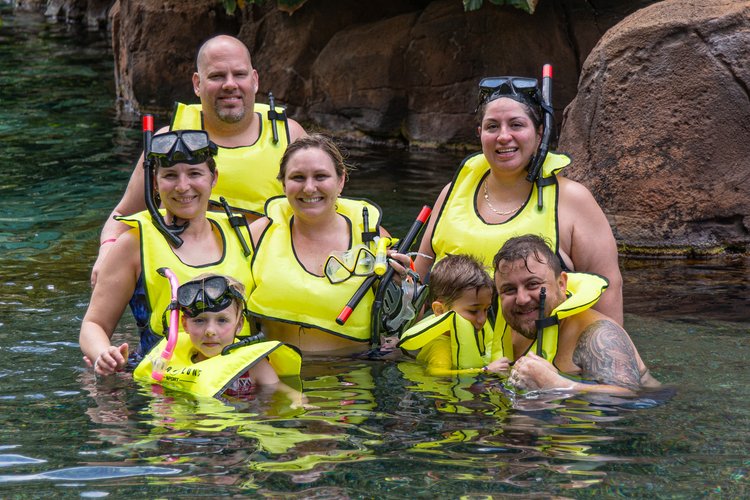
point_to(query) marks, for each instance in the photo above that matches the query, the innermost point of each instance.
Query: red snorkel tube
(535, 172)
(403, 247)
(148, 183)
(161, 363)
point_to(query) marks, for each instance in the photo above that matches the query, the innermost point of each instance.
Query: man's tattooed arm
(606, 354)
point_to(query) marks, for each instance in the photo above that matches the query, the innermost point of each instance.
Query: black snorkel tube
(254, 339)
(403, 247)
(535, 171)
(540, 322)
(368, 237)
(274, 116)
(170, 232)
(236, 221)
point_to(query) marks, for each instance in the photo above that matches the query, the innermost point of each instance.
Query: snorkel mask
(212, 294)
(520, 89)
(526, 91)
(181, 146)
(166, 150)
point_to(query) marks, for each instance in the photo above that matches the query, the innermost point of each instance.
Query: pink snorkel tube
(161, 363)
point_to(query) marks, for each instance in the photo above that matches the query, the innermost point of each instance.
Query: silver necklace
(487, 199)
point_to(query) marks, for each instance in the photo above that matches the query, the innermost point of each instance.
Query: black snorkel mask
(165, 150)
(212, 294)
(521, 89)
(526, 91)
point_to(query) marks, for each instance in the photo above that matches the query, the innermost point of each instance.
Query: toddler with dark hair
(458, 338)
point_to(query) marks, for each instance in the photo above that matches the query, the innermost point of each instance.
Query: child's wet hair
(455, 274)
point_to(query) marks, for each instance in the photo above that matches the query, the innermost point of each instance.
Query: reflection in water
(465, 430)
(381, 429)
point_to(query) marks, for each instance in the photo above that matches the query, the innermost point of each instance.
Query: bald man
(251, 137)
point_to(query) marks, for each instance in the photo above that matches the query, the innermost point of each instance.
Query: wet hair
(533, 111)
(315, 141)
(523, 247)
(455, 274)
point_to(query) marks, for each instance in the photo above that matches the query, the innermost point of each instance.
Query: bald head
(226, 83)
(220, 43)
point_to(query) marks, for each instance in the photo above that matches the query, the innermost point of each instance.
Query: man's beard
(528, 328)
(231, 116)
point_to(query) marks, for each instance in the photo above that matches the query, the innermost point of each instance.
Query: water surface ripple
(380, 430)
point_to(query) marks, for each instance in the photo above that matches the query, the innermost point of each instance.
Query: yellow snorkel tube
(381, 254)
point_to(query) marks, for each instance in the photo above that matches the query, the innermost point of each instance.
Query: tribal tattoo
(606, 354)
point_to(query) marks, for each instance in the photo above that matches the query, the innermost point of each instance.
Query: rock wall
(655, 94)
(660, 127)
(402, 71)
(154, 45)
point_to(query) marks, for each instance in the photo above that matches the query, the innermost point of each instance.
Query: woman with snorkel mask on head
(182, 236)
(512, 188)
(312, 252)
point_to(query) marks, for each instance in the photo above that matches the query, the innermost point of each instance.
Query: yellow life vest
(212, 376)
(460, 230)
(156, 253)
(286, 291)
(584, 290)
(469, 348)
(247, 174)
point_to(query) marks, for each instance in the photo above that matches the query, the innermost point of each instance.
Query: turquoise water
(381, 429)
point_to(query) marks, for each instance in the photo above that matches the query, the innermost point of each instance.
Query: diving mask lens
(212, 294)
(498, 86)
(161, 144)
(181, 146)
(195, 141)
(340, 266)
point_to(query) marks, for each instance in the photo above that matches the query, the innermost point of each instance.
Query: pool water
(381, 429)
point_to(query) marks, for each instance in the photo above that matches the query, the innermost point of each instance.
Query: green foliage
(525, 5)
(283, 5)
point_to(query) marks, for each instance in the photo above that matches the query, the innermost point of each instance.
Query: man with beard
(251, 137)
(568, 337)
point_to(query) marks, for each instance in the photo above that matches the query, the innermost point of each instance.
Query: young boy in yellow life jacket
(210, 360)
(458, 339)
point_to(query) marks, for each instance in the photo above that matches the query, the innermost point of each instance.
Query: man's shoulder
(572, 327)
(595, 335)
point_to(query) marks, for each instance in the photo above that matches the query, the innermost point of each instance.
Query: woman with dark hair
(491, 197)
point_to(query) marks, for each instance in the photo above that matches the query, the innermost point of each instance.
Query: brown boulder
(659, 128)
(395, 70)
(412, 76)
